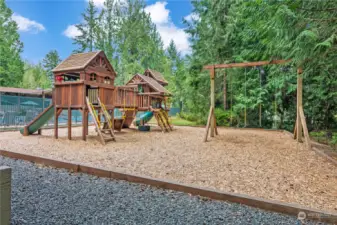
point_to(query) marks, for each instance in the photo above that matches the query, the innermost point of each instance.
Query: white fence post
(5, 195)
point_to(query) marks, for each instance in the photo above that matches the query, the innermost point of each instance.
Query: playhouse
(85, 82)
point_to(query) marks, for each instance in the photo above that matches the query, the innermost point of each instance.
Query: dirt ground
(260, 163)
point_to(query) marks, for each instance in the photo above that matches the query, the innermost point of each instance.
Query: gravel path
(51, 196)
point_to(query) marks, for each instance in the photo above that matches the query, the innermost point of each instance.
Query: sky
(46, 25)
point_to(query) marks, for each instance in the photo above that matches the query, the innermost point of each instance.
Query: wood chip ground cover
(264, 164)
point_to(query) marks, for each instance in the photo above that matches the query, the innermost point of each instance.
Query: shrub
(223, 117)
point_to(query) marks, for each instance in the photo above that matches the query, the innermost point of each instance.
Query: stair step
(105, 130)
(109, 139)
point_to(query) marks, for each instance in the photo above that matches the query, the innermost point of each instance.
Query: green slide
(146, 117)
(39, 121)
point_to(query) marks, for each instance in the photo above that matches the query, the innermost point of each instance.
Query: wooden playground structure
(300, 124)
(85, 82)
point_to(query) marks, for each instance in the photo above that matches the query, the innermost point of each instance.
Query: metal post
(43, 97)
(5, 195)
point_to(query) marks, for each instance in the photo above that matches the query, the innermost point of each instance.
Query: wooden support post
(5, 195)
(260, 115)
(295, 129)
(225, 91)
(305, 129)
(299, 103)
(208, 122)
(215, 128)
(84, 125)
(69, 123)
(212, 73)
(86, 113)
(113, 118)
(56, 129)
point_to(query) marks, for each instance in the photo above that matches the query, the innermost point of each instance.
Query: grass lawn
(182, 122)
(177, 121)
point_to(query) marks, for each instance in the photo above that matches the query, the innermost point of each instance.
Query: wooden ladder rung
(109, 139)
(105, 130)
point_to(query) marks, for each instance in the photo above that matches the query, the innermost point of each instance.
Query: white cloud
(71, 31)
(159, 14)
(166, 28)
(191, 17)
(99, 3)
(171, 32)
(27, 25)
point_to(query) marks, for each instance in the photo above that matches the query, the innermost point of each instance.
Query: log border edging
(269, 205)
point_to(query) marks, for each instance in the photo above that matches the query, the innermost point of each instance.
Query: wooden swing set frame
(300, 124)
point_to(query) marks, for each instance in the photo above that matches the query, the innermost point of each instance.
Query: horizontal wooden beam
(66, 83)
(245, 64)
(269, 205)
(151, 93)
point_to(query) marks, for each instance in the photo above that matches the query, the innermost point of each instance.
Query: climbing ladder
(105, 128)
(162, 119)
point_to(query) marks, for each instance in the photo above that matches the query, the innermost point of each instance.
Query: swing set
(300, 124)
(261, 73)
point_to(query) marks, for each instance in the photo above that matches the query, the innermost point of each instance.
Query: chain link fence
(18, 111)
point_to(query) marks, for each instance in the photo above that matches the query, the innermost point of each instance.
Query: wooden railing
(93, 95)
(125, 97)
(143, 101)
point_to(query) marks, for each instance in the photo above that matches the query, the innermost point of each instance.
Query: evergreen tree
(177, 66)
(239, 31)
(50, 61)
(11, 65)
(107, 30)
(139, 45)
(86, 40)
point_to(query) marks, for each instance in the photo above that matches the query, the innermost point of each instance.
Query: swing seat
(144, 128)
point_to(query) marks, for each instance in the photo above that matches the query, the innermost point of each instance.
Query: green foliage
(126, 34)
(35, 77)
(86, 40)
(223, 117)
(50, 61)
(334, 139)
(239, 31)
(188, 116)
(11, 65)
(178, 75)
(139, 45)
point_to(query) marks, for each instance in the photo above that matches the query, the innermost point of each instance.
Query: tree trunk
(224, 92)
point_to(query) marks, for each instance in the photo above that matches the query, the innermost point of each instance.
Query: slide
(146, 117)
(39, 121)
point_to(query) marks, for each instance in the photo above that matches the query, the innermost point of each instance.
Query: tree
(35, 77)
(138, 42)
(177, 66)
(107, 31)
(11, 65)
(239, 31)
(86, 40)
(50, 61)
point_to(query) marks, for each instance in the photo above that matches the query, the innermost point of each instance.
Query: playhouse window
(93, 77)
(68, 77)
(140, 88)
(107, 80)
